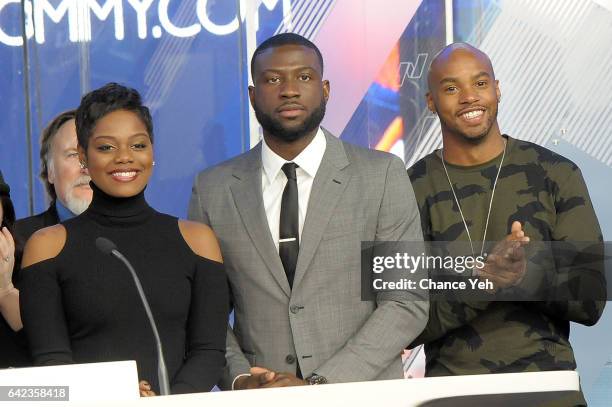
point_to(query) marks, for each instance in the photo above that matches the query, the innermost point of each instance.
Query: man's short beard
(276, 129)
(77, 205)
(475, 140)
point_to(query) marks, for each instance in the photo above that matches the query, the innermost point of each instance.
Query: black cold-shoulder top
(82, 305)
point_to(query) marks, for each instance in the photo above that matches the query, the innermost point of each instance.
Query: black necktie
(289, 228)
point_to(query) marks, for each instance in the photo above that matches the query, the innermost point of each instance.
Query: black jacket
(24, 228)
(13, 345)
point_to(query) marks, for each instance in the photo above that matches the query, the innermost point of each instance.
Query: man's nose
(290, 89)
(469, 96)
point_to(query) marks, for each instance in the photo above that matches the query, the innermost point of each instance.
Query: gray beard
(76, 205)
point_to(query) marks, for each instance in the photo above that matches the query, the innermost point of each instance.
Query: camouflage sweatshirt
(547, 194)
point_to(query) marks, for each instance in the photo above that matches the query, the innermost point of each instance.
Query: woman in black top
(13, 350)
(79, 305)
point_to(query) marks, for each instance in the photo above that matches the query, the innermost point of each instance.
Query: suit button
(290, 359)
(294, 309)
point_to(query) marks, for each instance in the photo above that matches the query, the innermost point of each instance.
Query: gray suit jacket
(322, 324)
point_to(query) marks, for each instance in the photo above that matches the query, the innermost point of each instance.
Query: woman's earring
(153, 163)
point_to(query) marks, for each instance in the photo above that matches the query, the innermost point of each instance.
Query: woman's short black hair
(107, 99)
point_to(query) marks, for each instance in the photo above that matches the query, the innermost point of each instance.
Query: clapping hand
(506, 265)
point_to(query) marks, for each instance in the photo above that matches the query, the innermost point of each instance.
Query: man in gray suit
(290, 215)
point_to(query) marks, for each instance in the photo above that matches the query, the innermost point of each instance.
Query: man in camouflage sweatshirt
(539, 196)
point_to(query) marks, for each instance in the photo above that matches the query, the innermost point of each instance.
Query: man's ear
(430, 103)
(252, 95)
(326, 89)
(50, 172)
(497, 90)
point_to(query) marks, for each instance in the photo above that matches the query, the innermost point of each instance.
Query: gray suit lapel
(249, 201)
(327, 188)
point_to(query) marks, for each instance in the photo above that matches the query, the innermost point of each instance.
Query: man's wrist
(239, 379)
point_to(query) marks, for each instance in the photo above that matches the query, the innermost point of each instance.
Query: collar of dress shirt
(308, 160)
(63, 213)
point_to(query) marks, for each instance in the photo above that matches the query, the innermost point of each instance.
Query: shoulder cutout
(201, 239)
(44, 244)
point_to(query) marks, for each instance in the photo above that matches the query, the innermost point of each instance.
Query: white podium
(505, 390)
(101, 382)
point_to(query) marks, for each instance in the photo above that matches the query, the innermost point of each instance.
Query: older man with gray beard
(66, 182)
